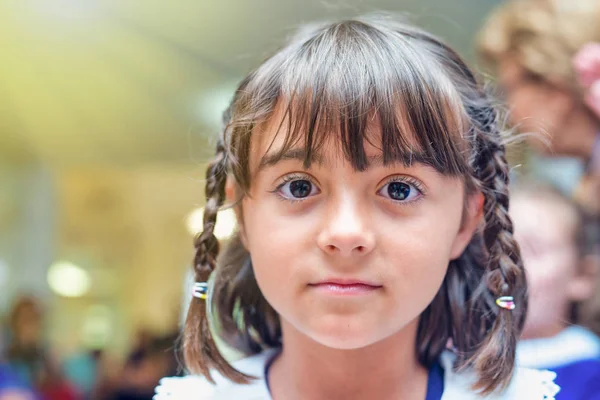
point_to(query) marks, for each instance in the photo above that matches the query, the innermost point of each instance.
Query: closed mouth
(345, 286)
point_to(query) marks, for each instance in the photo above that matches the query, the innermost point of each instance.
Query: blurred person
(151, 358)
(29, 356)
(81, 369)
(24, 350)
(11, 386)
(143, 341)
(533, 46)
(543, 54)
(93, 372)
(561, 267)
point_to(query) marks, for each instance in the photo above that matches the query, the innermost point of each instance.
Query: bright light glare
(68, 280)
(213, 104)
(97, 326)
(226, 223)
(67, 9)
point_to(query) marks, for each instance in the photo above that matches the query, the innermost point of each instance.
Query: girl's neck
(384, 370)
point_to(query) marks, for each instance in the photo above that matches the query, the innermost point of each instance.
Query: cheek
(276, 243)
(419, 246)
(418, 251)
(414, 275)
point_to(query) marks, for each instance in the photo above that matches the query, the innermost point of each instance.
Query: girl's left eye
(400, 191)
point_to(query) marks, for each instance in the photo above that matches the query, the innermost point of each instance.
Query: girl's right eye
(297, 188)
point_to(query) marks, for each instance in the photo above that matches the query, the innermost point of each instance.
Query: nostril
(331, 248)
(360, 249)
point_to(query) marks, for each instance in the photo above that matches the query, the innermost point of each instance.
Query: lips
(345, 286)
(346, 282)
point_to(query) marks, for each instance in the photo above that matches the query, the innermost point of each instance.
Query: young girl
(561, 267)
(368, 175)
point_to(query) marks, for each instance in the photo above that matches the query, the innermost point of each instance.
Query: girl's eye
(400, 191)
(297, 189)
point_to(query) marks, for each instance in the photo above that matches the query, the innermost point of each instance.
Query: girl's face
(349, 258)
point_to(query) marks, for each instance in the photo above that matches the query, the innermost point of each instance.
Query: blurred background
(108, 113)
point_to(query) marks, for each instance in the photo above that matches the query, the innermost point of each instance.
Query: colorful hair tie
(507, 302)
(200, 290)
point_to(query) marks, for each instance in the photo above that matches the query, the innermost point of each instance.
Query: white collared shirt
(527, 384)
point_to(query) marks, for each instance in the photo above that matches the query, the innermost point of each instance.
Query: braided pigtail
(200, 351)
(504, 274)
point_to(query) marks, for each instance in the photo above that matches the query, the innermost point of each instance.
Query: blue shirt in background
(574, 354)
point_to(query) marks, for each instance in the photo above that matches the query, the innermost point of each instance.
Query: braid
(504, 274)
(200, 350)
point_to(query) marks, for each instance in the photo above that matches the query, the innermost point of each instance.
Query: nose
(346, 230)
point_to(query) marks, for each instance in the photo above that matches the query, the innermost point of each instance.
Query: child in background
(561, 269)
(30, 358)
(11, 386)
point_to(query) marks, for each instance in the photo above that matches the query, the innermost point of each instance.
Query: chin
(348, 335)
(347, 342)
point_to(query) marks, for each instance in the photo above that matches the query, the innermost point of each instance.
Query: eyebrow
(299, 154)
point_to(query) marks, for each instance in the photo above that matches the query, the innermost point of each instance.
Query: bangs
(353, 83)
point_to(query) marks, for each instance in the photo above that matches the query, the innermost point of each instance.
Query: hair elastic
(507, 302)
(200, 290)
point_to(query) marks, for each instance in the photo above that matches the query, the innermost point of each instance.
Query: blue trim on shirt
(267, 368)
(435, 382)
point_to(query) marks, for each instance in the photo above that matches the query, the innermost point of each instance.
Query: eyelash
(405, 179)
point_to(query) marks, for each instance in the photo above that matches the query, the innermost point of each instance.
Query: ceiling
(124, 82)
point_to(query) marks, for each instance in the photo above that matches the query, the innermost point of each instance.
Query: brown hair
(331, 79)
(542, 35)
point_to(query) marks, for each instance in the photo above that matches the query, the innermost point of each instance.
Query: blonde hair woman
(532, 44)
